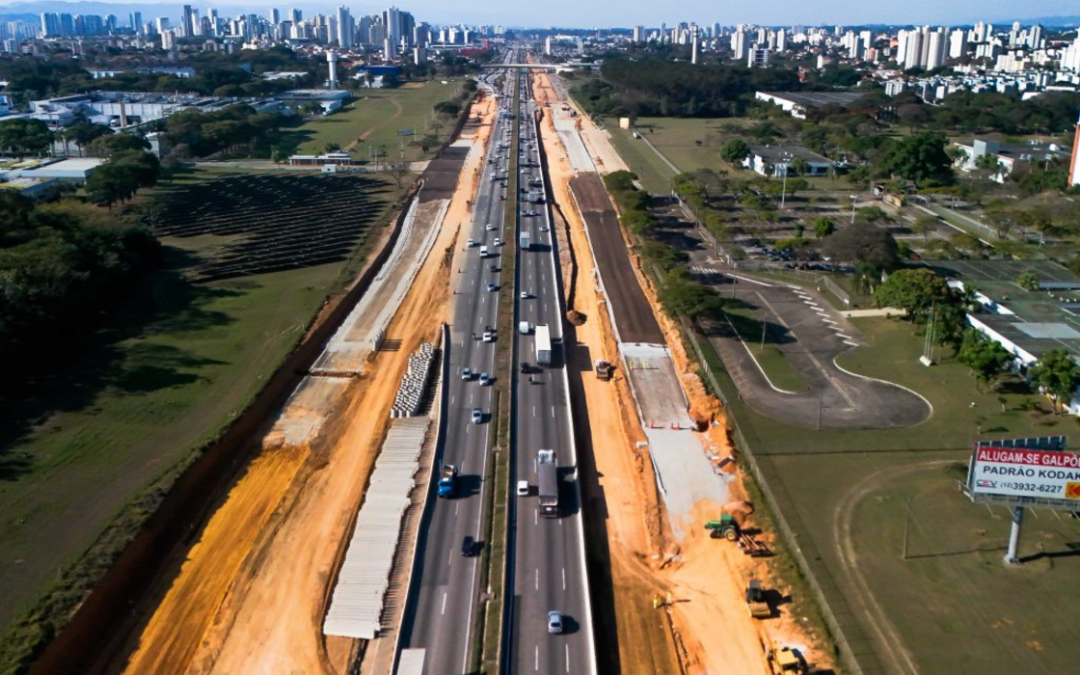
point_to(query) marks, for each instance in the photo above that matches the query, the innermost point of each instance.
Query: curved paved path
(814, 334)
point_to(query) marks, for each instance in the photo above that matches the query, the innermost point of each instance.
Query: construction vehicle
(786, 661)
(447, 479)
(755, 601)
(604, 369)
(726, 527)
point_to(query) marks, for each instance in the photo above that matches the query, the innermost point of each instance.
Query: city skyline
(599, 14)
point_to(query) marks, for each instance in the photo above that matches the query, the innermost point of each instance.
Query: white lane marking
(457, 505)
(467, 427)
(536, 517)
(568, 658)
(537, 584)
(452, 401)
(444, 602)
(537, 666)
(552, 412)
(564, 578)
(534, 411)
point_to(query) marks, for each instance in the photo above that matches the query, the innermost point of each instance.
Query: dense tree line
(216, 74)
(680, 89)
(59, 269)
(192, 133)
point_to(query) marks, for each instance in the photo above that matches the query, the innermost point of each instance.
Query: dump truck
(755, 601)
(603, 369)
(786, 661)
(543, 345)
(447, 478)
(524, 241)
(548, 483)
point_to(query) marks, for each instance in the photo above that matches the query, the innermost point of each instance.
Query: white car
(489, 227)
(489, 336)
(525, 295)
(477, 415)
(523, 488)
(498, 242)
(485, 379)
(471, 243)
(466, 373)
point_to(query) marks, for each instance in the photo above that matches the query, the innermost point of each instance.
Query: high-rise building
(957, 43)
(639, 33)
(275, 17)
(935, 52)
(739, 44)
(1074, 166)
(50, 25)
(1034, 37)
(135, 21)
(296, 16)
(758, 57)
(346, 28)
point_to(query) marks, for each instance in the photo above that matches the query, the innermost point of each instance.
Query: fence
(787, 533)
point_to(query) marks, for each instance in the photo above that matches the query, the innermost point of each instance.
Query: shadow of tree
(79, 368)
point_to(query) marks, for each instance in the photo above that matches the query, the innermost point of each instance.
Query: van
(525, 327)
(483, 251)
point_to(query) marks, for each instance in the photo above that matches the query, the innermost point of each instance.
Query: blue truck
(446, 480)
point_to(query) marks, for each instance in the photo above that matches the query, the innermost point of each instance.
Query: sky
(651, 13)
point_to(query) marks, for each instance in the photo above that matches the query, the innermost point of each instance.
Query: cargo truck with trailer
(548, 483)
(542, 339)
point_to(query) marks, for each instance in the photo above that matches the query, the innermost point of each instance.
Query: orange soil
(704, 579)
(250, 597)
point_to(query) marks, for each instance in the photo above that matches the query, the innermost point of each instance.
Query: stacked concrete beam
(356, 606)
(413, 387)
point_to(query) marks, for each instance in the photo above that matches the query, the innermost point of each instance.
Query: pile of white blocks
(413, 387)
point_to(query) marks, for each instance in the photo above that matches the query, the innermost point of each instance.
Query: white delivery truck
(524, 327)
(524, 241)
(543, 345)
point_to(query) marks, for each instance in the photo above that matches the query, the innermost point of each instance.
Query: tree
(924, 225)
(663, 256)
(1056, 374)
(735, 151)
(872, 214)
(680, 295)
(823, 227)
(1028, 281)
(24, 136)
(863, 243)
(399, 171)
(111, 144)
(447, 108)
(121, 177)
(798, 166)
(983, 356)
(920, 292)
(912, 115)
(920, 157)
(989, 164)
(638, 222)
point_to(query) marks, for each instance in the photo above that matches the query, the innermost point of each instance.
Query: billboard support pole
(1014, 536)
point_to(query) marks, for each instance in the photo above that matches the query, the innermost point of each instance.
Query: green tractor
(724, 528)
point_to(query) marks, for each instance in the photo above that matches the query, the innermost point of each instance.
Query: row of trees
(678, 293)
(192, 133)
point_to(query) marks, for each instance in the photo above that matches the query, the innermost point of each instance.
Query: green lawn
(655, 176)
(378, 115)
(779, 371)
(105, 439)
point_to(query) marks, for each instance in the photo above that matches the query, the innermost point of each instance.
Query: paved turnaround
(546, 556)
(440, 617)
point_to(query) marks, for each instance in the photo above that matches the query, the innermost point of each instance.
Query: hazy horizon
(628, 13)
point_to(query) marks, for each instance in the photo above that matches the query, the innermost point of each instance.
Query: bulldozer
(786, 661)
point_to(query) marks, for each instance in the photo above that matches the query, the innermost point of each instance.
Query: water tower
(332, 59)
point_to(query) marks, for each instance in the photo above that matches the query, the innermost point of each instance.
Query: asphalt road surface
(634, 320)
(440, 618)
(546, 556)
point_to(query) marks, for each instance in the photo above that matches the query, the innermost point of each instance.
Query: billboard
(1025, 472)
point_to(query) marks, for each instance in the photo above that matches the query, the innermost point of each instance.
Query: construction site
(306, 561)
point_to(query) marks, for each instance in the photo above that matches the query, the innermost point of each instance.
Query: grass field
(953, 589)
(372, 122)
(110, 432)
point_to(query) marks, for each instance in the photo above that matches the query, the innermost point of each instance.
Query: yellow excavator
(786, 661)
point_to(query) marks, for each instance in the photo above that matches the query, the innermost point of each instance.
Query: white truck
(548, 482)
(524, 241)
(542, 338)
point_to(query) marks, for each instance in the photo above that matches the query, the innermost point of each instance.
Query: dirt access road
(250, 595)
(702, 578)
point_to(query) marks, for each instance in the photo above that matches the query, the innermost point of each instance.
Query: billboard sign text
(1020, 472)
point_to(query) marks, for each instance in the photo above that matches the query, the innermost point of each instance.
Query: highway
(546, 554)
(440, 617)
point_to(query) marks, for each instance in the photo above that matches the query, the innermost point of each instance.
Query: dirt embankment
(251, 594)
(669, 600)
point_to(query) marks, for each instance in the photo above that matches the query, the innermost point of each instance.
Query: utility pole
(854, 198)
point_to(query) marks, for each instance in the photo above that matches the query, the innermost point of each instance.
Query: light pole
(854, 198)
(783, 189)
